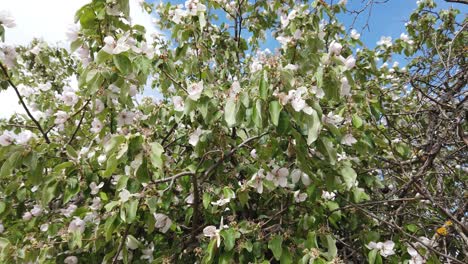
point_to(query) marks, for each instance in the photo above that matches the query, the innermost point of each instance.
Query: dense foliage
(324, 151)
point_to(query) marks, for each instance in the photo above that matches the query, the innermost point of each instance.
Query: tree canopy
(323, 151)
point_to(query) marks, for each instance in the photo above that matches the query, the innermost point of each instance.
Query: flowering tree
(319, 152)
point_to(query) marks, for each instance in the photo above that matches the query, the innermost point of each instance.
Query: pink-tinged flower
(96, 126)
(125, 118)
(345, 87)
(27, 216)
(124, 195)
(7, 138)
(279, 176)
(319, 93)
(348, 140)
(98, 106)
(349, 62)
(257, 180)
(37, 210)
(195, 90)
(96, 204)
(113, 47)
(385, 248)
(416, 258)
(297, 175)
(67, 212)
(6, 19)
(214, 233)
(195, 137)
(69, 98)
(8, 55)
(24, 137)
(70, 260)
(76, 225)
(95, 188)
(73, 32)
(179, 104)
(2, 228)
(60, 117)
(335, 48)
(133, 90)
(44, 87)
(299, 197)
(163, 222)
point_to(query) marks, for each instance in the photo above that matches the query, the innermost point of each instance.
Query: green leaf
(263, 87)
(314, 126)
(357, 121)
(349, 176)
(275, 245)
(48, 193)
(229, 238)
(102, 57)
(286, 257)
(230, 112)
(257, 114)
(372, 255)
(210, 251)
(2, 207)
(111, 166)
(156, 155)
(275, 110)
(325, 146)
(131, 208)
(122, 63)
(9, 164)
(331, 245)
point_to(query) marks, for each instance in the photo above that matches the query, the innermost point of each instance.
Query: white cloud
(49, 20)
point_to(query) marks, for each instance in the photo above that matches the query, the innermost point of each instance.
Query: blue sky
(386, 19)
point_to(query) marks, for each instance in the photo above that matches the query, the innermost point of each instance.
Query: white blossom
(73, 32)
(71, 260)
(69, 98)
(214, 233)
(348, 140)
(299, 197)
(335, 48)
(195, 90)
(319, 93)
(44, 227)
(132, 243)
(98, 106)
(177, 15)
(348, 62)
(8, 55)
(95, 188)
(328, 195)
(345, 87)
(147, 253)
(297, 175)
(96, 126)
(279, 176)
(385, 41)
(7, 138)
(124, 195)
(179, 104)
(24, 137)
(67, 212)
(45, 87)
(61, 117)
(96, 205)
(354, 34)
(163, 222)
(195, 137)
(2, 228)
(125, 118)
(221, 201)
(257, 180)
(385, 248)
(113, 47)
(406, 38)
(332, 119)
(76, 225)
(416, 258)
(27, 216)
(6, 19)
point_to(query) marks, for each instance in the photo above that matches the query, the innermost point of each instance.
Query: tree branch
(44, 134)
